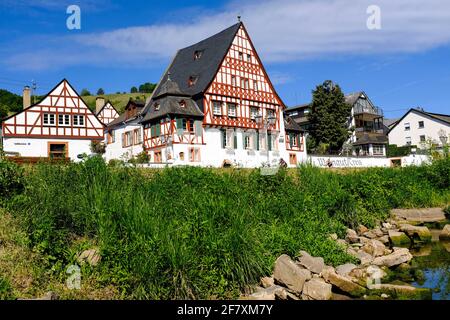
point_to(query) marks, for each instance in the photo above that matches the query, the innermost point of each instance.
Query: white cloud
(282, 31)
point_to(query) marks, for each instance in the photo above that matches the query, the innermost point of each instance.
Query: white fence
(365, 162)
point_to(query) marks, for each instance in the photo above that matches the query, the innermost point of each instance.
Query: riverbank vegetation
(198, 233)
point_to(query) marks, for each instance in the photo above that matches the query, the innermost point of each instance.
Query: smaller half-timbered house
(107, 113)
(61, 126)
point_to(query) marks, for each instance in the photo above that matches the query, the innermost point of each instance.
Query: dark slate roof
(300, 106)
(170, 105)
(366, 139)
(169, 87)
(291, 125)
(184, 65)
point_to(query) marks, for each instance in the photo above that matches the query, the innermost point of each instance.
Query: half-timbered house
(216, 106)
(59, 126)
(123, 136)
(105, 112)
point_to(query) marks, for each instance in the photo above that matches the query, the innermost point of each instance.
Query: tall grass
(199, 233)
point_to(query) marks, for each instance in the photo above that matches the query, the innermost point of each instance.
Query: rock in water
(419, 215)
(445, 233)
(289, 274)
(343, 283)
(399, 256)
(404, 292)
(316, 289)
(398, 238)
(414, 232)
(374, 247)
(313, 264)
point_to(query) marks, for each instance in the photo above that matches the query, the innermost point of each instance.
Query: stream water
(431, 264)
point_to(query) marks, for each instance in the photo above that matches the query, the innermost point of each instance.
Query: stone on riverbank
(399, 256)
(289, 274)
(414, 216)
(374, 247)
(345, 269)
(316, 289)
(313, 264)
(343, 283)
(445, 233)
(266, 294)
(352, 236)
(398, 238)
(414, 232)
(267, 282)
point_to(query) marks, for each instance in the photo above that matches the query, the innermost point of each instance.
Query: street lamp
(265, 123)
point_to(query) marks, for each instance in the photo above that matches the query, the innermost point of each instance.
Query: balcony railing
(367, 109)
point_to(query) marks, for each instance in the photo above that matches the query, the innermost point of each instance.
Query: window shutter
(269, 141)
(291, 140)
(235, 140)
(243, 140)
(180, 128)
(158, 130)
(198, 128)
(257, 140)
(123, 139)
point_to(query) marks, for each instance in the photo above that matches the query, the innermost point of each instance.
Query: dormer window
(157, 106)
(192, 80)
(198, 54)
(183, 104)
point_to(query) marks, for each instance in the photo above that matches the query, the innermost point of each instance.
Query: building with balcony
(369, 134)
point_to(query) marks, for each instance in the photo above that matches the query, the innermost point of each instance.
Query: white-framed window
(421, 125)
(270, 113)
(247, 142)
(407, 126)
(408, 141)
(241, 56)
(255, 85)
(377, 149)
(233, 81)
(63, 119)
(423, 138)
(78, 120)
(217, 108)
(49, 119)
(245, 83)
(232, 110)
(249, 58)
(254, 111)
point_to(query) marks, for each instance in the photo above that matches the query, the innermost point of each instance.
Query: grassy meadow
(196, 233)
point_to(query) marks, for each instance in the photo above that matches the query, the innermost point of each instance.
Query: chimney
(26, 97)
(99, 103)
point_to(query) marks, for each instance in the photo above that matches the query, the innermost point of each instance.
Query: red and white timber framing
(62, 117)
(108, 114)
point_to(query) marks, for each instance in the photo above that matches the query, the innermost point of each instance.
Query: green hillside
(119, 101)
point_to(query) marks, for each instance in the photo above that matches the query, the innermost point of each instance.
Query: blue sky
(301, 42)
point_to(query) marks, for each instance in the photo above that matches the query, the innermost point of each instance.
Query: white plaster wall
(116, 151)
(431, 128)
(28, 147)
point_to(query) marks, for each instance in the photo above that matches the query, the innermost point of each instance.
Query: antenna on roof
(239, 18)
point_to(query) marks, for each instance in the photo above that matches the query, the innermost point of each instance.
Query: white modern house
(61, 126)
(417, 127)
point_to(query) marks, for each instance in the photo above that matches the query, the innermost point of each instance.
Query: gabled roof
(205, 68)
(104, 106)
(291, 125)
(437, 116)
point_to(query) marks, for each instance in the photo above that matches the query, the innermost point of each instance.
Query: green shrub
(11, 180)
(5, 290)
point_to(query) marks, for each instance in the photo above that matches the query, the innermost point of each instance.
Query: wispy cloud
(282, 30)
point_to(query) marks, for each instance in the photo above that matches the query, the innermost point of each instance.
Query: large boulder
(343, 283)
(384, 239)
(313, 264)
(289, 274)
(445, 233)
(414, 216)
(398, 238)
(316, 289)
(414, 232)
(374, 247)
(345, 269)
(399, 256)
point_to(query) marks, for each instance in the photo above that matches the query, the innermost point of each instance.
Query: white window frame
(247, 142)
(408, 141)
(232, 106)
(65, 120)
(254, 112)
(378, 147)
(423, 124)
(407, 126)
(77, 122)
(217, 108)
(49, 119)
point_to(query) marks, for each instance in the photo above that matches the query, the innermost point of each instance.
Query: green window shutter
(291, 140)
(198, 128)
(152, 130)
(243, 141)
(257, 140)
(158, 129)
(269, 141)
(235, 140)
(180, 123)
